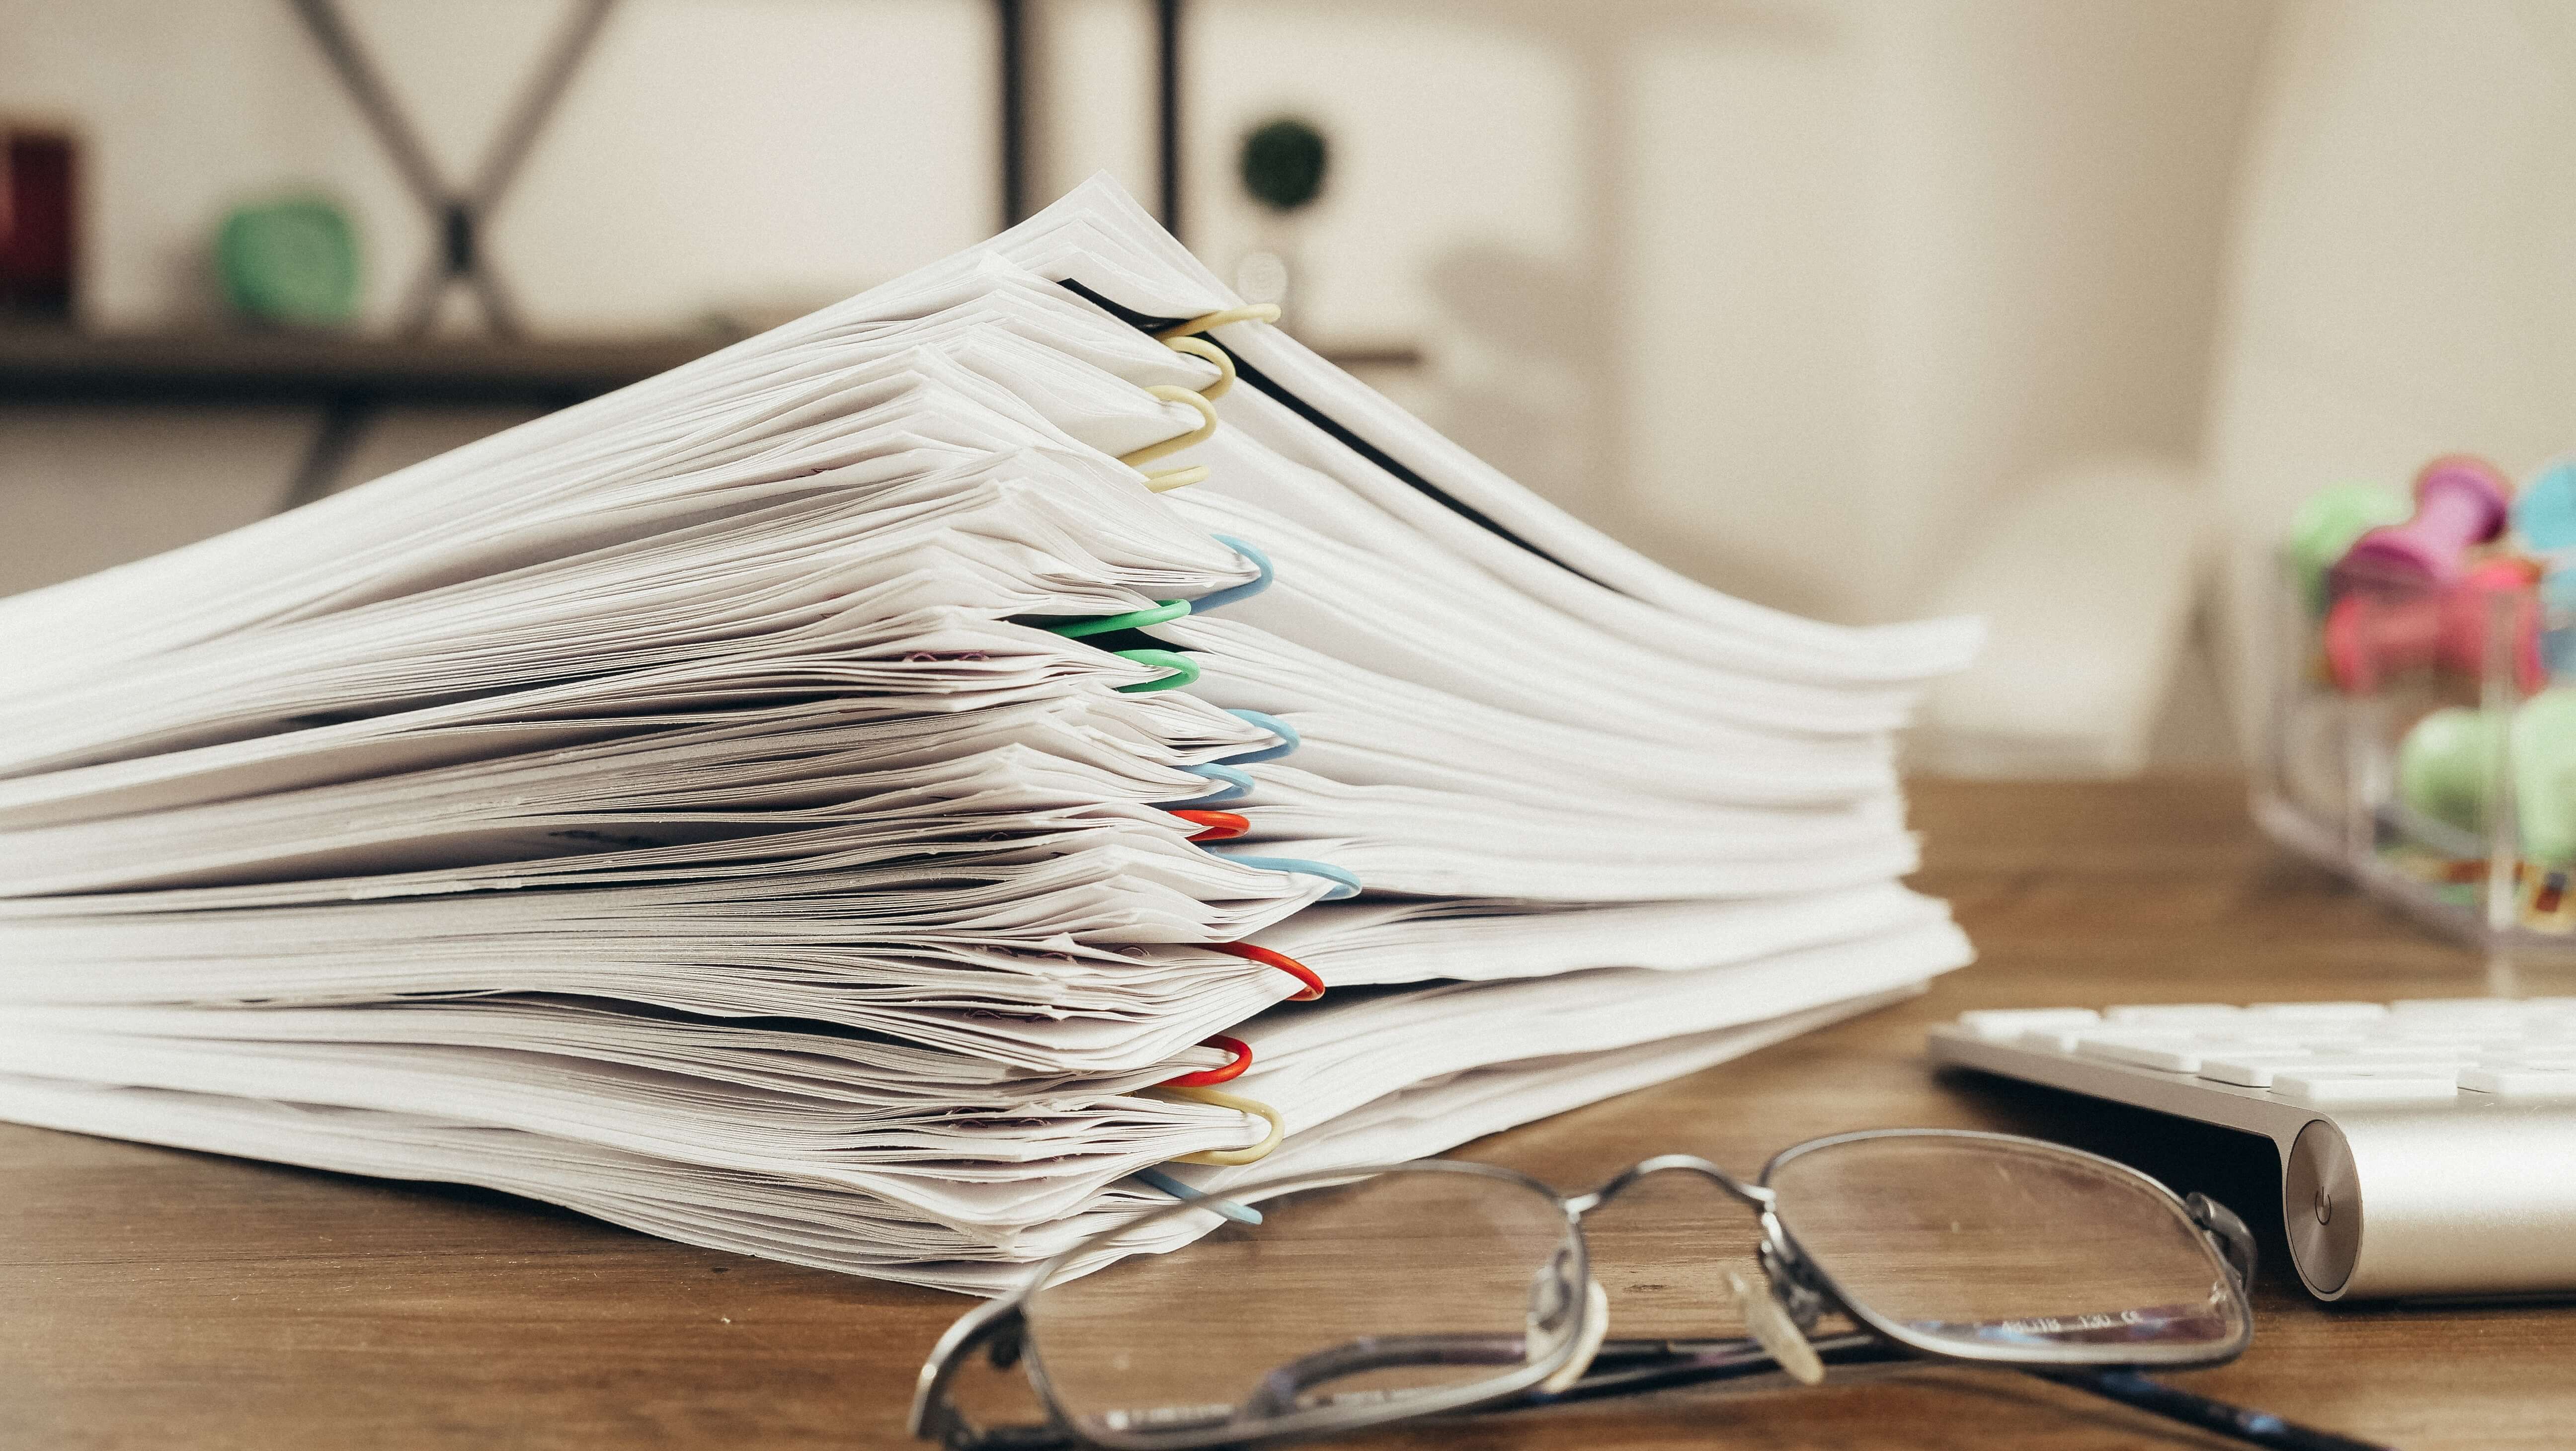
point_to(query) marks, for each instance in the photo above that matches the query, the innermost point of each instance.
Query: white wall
(2400, 284)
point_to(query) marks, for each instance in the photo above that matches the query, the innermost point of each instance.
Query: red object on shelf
(38, 210)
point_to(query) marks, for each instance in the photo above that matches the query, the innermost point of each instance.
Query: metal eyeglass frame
(1801, 1291)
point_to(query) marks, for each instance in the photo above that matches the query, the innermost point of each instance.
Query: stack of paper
(787, 805)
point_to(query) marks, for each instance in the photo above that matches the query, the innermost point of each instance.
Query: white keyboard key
(2252, 1072)
(2318, 1012)
(2328, 1089)
(2422, 1008)
(2447, 1025)
(2054, 1040)
(2169, 1015)
(2521, 1082)
(2382, 1060)
(2002, 1025)
(2546, 1062)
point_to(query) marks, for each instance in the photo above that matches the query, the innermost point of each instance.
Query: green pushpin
(2544, 776)
(2442, 767)
(2327, 524)
(2444, 762)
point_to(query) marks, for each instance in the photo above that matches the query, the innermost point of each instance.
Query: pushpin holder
(2412, 741)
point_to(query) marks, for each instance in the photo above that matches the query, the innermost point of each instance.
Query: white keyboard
(2428, 1148)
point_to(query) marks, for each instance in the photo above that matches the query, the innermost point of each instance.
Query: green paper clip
(1184, 670)
(1132, 620)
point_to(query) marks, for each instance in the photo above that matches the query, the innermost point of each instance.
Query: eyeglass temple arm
(1630, 1367)
(2259, 1428)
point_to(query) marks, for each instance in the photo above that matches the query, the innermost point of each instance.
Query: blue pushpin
(2544, 515)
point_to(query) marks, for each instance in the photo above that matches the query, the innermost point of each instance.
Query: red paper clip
(1279, 960)
(1209, 1077)
(1221, 825)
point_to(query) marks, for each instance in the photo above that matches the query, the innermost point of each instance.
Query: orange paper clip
(1221, 825)
(1279, 960)
(1208, 1077)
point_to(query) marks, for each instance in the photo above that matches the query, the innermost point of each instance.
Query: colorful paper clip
(1287, 734)
(1184, 671)
(1236, 784)
(1220, 825)
(1257, 312)
(1210, 1077)
(1250, 952)
(1239, 1213)
(1201, 348)
(1244, 591)
(1184, 1093)
(1157, 614)
(1181, 478)
(1349, 885)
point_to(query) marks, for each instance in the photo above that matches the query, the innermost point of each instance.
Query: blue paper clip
(1243, 591)
(1236, 784)
(1239, 1213)
(1350, 885)
(1287, 734)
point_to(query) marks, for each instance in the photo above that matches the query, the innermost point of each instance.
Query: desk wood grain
(166, 1299)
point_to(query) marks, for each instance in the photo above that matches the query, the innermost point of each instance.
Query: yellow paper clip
(1225, 1157)
(1168, 480)
(1202, 348)
(1258, 312)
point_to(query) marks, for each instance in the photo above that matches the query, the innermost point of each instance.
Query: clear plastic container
(2411, 744)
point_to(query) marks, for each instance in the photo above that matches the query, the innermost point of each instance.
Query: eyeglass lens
(1983, 1246)
(1360, 1296)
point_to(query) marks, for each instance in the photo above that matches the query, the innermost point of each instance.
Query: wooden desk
(166, 1299)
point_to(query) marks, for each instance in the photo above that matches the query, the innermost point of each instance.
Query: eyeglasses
(1362, 1296)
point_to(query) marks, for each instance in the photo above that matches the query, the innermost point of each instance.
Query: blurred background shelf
(65, 365)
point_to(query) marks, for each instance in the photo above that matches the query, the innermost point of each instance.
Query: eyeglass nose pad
(1587, 1339)
(1771, 1326)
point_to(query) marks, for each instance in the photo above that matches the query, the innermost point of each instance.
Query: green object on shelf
(1283, 163)
(292, 261)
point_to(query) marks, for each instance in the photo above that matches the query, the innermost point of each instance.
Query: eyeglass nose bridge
(1753, 1196)
(2235, 1242)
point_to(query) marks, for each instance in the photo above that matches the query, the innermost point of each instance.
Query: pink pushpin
(2371, 635)
(2460, 501)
